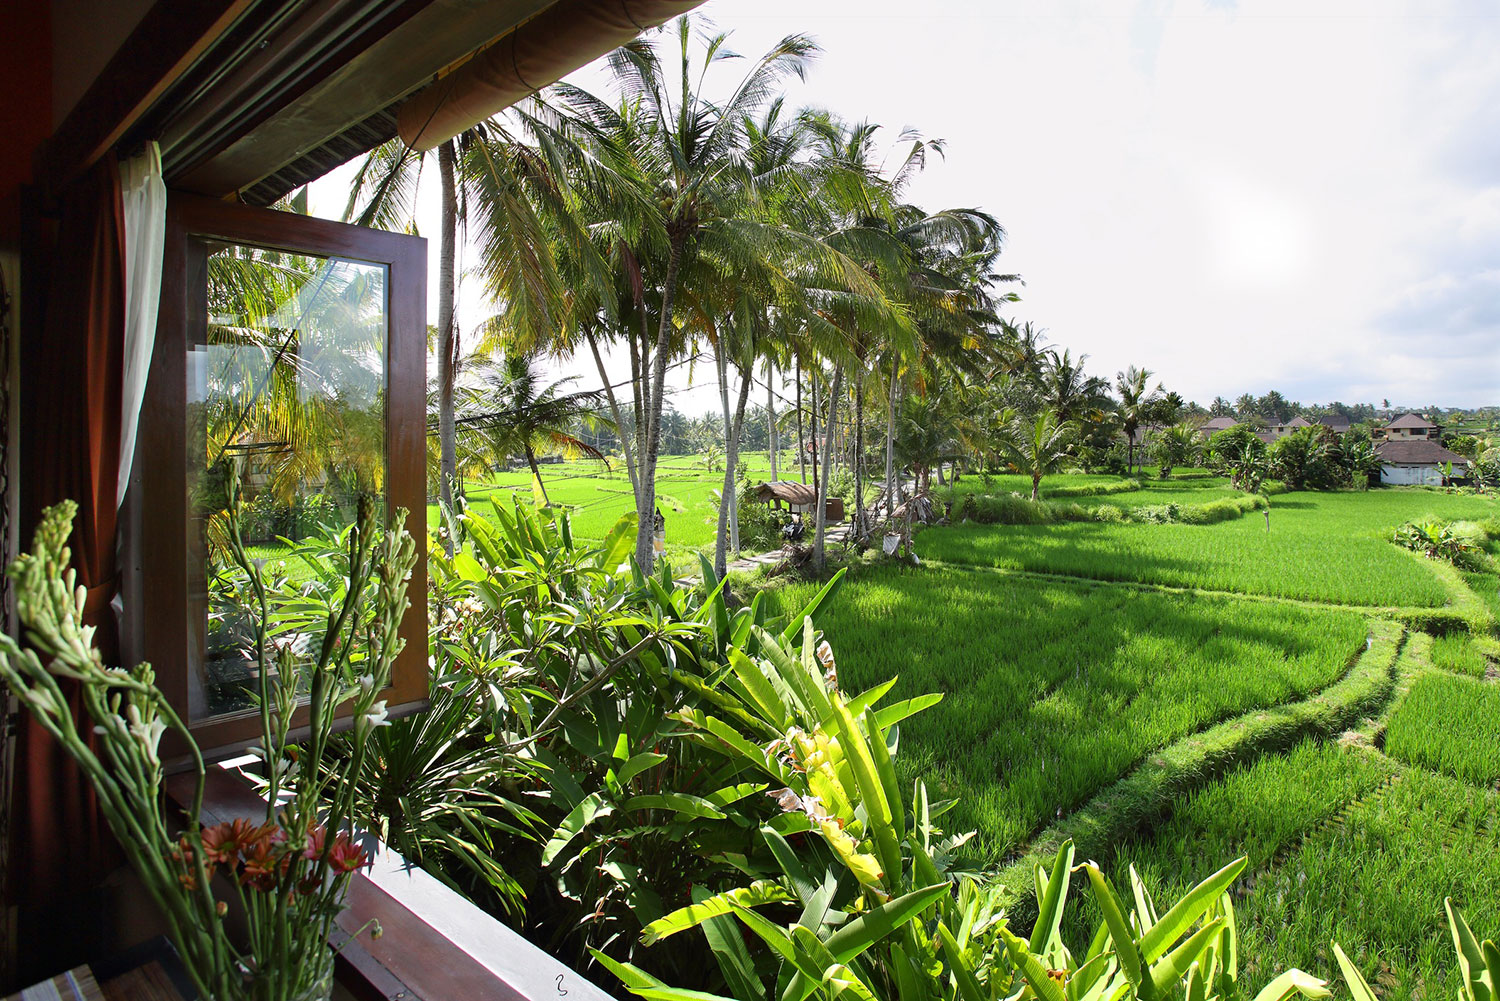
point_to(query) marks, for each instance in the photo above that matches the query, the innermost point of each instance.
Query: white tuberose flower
(149, 734)
(376, 716)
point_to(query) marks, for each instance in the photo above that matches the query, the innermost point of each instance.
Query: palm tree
(927, 434)
(484, 194)
(1136, 401)
(686, 155)
(1037, 446)
(1067, 390)
(1177, 445)
(515, 411)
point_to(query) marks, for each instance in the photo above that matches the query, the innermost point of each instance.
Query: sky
(1239, 196)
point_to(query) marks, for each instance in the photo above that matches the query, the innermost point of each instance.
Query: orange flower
(316, 837)
(261, 864)
(345, 855)
(223, 843)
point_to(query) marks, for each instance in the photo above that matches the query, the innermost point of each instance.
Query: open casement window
(296, 346)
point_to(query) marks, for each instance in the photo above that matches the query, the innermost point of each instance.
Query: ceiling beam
(171, 36)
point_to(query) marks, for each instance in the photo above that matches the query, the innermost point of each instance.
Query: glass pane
(287, 374)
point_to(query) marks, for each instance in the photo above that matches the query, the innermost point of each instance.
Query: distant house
(1282, 430)
(1410, 426)
(1408, 461)
(1212, 426)
(1336, 423)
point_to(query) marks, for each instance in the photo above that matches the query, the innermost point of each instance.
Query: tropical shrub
(1178, 445)
(559, 769)
(882, 938)
(760, 524)
(1438, 540)
(1239, 454)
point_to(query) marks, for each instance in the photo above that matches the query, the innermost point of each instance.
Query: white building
(1416, 461)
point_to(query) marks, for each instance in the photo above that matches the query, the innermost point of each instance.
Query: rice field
(1451, 725)
(686, 493)
(1344, 844)
(1321, 547)
(1057, 688)
(1461, 654)
(1053, 690)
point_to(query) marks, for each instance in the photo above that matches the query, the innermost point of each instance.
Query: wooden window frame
(159, 617)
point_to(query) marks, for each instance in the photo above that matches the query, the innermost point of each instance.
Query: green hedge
(1093, 489)
(1013, 509)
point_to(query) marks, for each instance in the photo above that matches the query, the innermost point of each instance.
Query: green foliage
(1439, 540)
(1178, 445)
(594, 789)
(1239, 454)
(760, 523)
(1450, 724)
(1461, 653)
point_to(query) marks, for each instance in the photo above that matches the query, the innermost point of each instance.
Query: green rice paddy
(1052, 690)
(1065, 668)
(1449, 724)
(1319, 547)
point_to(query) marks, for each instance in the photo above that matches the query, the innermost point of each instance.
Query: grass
(1066, 485)
(1053, 690)
(1344, 844)
(1451, 725)
(1459, 653)
(1375, 882)
(1178, 730)
(1321, 547)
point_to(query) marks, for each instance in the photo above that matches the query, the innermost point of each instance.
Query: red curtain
(61, 844)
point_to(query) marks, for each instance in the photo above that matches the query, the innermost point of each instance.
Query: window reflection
(287, 374)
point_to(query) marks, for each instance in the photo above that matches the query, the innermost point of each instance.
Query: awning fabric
(536, 54)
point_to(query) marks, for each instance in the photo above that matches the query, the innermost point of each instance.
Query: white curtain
(144, 198)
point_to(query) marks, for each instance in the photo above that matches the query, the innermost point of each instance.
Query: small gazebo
(798, 497)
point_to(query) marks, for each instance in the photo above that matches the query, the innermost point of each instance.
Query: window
(296, 346)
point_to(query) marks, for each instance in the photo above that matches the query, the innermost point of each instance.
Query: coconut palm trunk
(614, 413)
(859, 458)
(817, 446)
(646, 496)
(821, 517)
(890, 443)
(536, 474)
(447, 330)
(771, 441)
(801, 443)
(729, 500)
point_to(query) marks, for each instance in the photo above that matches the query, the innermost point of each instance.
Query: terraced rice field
(1065, 691)
(1052, 691)
(1449, 724)
(1321, 547)
(1344, 844)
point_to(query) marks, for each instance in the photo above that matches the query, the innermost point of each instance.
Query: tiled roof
(1416, 453)
(1410, 421)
